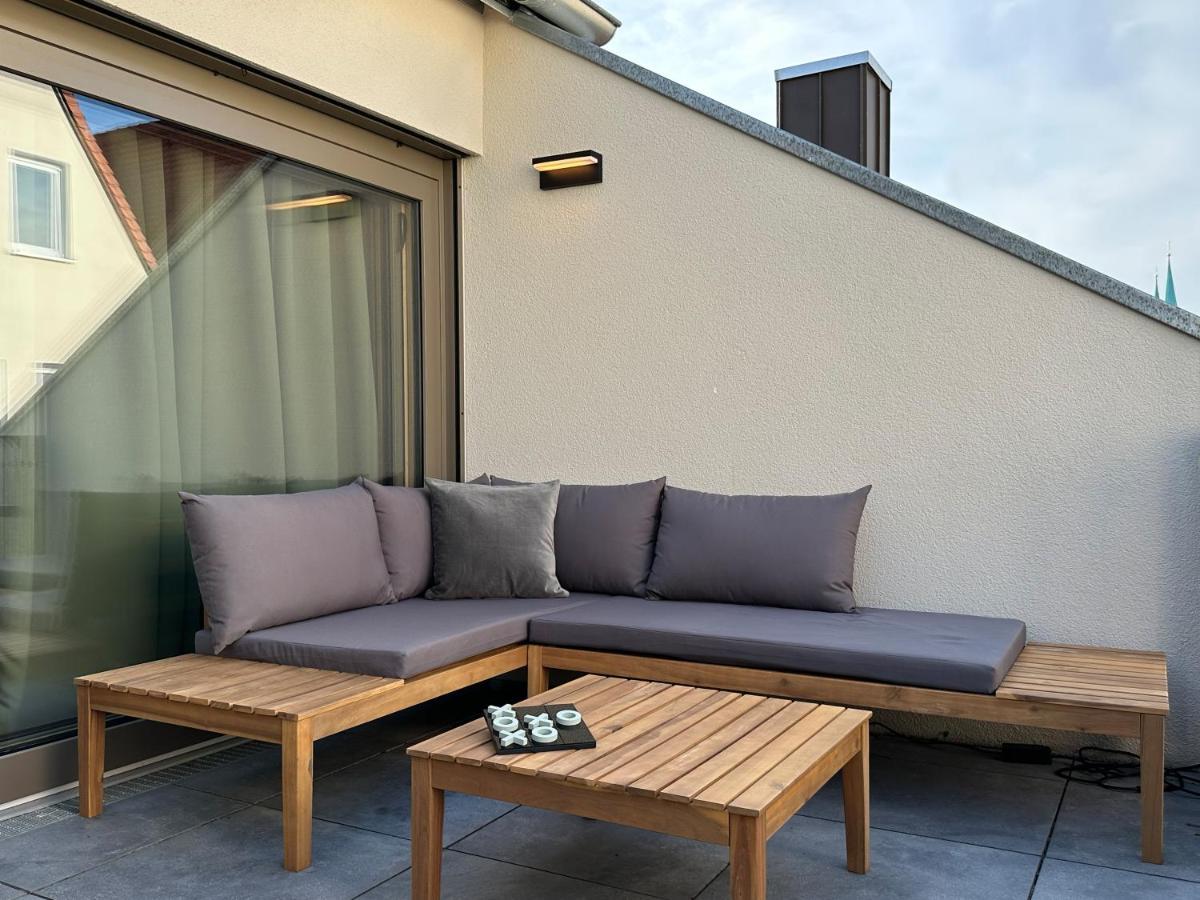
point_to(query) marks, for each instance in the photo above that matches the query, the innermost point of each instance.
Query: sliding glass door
(177, 311)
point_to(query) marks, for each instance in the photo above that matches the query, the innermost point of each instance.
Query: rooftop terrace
(948, 822)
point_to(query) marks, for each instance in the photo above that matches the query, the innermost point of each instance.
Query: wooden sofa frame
(1081, 689)
(286, 705)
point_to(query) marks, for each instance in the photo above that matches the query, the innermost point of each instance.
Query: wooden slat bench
(1093, 690)
(285, 705)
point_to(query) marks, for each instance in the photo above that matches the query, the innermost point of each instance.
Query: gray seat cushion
(922, 649)
(399, 640)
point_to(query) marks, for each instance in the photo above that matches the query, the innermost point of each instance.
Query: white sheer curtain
(247, 361)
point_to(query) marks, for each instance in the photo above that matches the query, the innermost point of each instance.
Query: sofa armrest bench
(1083, 689)
(287, 705)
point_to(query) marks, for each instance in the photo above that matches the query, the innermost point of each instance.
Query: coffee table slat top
(259, 688)
(722, 750)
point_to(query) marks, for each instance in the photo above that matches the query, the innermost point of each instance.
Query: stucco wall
(740, 320)
(418, 62)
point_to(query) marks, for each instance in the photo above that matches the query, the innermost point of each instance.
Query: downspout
(582, 18)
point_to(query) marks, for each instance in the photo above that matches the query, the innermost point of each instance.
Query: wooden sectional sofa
(1092, 690)
(1082, 689)
(327, 609)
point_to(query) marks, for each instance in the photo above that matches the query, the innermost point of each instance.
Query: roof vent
(844, 104)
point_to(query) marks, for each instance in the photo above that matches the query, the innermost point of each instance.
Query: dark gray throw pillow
(795, 552)
(271, 559)
(404, 531)
(492, 541)
(604, 535)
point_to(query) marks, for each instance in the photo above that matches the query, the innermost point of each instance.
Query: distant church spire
(1169, 297)
(1156, 295)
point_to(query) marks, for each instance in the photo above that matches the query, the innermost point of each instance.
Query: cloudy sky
(1075, 123)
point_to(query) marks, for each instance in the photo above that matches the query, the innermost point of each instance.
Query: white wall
(418, 62)
(737, 319)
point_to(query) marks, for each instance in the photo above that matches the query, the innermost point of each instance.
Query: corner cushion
(400, 640)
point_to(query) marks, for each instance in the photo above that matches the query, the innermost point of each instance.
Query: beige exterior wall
(49, 307)
(737, 319)
(418, 62)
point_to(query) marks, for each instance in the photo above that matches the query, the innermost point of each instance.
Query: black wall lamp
(569, 169)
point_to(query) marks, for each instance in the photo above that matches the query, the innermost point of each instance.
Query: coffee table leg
(747, 858)
(297, 794)
(428, 805)
(856, 803)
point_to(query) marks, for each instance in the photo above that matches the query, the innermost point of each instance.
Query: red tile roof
(111, 185)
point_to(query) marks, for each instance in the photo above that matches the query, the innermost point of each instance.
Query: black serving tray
(570, 737)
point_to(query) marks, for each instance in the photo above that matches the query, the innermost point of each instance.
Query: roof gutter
(582, 18)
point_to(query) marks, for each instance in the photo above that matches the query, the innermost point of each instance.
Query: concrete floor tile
(251, 779)
(1103, 828)
(807, 858)
(1007, 812)
(473, 878)
(242, 856)
(374, 794)
(893, 747)
(53, 852)
(1062, 880)
(625, 858)
(257, 777)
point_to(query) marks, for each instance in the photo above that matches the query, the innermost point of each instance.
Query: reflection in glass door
(192, 314)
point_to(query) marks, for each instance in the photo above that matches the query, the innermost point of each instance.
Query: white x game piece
(539, 719)
(505, 710)
(514, 737)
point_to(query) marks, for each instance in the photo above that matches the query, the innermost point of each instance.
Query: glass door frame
(55, 48)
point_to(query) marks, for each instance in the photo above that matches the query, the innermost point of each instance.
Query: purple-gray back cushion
(269, 559)
(604, 535)
(794, 552)
(403, 514)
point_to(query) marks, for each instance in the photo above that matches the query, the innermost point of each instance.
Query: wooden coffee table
(716, 766)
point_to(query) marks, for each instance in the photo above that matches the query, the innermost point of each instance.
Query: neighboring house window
(39, 220)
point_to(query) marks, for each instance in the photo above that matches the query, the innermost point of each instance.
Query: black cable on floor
(1120, 770)
(1112, 770)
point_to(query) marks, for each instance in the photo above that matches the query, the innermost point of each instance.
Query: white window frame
(58, 207)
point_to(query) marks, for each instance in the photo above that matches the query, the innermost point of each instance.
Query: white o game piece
(545, 734)
(568, 717)
(506, 724)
